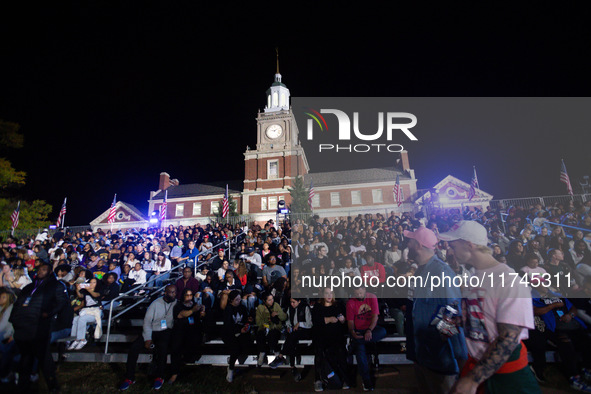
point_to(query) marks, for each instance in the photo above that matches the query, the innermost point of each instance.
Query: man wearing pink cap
(498, 314)
(436, 358)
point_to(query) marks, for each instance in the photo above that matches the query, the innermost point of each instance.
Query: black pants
(237, 345)
(268, 341)
(291, 343)
(161, 341)
(31, 350)
(337, 353)
(536, 344)
(186, 340)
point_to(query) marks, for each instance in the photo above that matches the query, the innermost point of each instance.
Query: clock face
(274, 131)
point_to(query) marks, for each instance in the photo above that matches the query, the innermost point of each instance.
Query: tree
(299, 197)
(232, 209)
(10, 138)
(33, 215)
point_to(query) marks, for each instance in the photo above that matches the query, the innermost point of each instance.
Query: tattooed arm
(497, 354)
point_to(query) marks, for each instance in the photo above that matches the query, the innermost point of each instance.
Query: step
(214, 360)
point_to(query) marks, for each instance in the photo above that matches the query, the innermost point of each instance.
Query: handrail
(121, 296)
(584, 230)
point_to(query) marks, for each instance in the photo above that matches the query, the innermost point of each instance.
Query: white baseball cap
(468, 230)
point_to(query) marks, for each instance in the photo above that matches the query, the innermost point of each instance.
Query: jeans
(206, 299)
(377, 335)
(250, 302)
(61, 334)
(107, 305)
(161, 278)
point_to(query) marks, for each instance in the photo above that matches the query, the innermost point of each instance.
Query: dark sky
(109, 94)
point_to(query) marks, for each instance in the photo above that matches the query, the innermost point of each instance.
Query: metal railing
(158, 290)
(545, 201)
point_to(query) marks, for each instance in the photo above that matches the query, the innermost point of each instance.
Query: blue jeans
(250, 302)
(159, 281)
(107, 305)
(207, 299)
(61, 334)
(377, 335)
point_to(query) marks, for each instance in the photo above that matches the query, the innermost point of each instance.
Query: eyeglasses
(189, 295)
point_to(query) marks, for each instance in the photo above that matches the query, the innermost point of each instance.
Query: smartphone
(84, 285)
(560, 313)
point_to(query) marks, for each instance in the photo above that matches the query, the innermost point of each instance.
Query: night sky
(109, 94)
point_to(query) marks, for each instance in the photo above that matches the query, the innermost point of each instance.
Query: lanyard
(36, 286)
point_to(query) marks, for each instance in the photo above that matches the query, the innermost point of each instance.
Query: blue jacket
(550, 318)
(424, 343)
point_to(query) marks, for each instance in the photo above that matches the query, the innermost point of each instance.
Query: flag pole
(63, 223)
(476, 177)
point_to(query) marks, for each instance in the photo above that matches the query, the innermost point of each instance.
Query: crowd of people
(59, 286)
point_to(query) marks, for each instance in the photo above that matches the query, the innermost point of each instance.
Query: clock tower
(279, 157)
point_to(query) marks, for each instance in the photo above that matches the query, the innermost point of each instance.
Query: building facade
(270, 170)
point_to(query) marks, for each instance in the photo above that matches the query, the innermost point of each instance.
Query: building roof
(350, 177)
(201, 189)
(124, 207)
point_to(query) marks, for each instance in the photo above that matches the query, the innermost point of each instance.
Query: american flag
(473, 186)
(111, 217)
(62, 214)
(163, 208)
(225, 204)
(565, 179)
(311, 195)
(14, 217)
(398, 191)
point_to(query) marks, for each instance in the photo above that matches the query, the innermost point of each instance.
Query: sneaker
(318, 386)
(539, 377)
(297, 376)
(577, 383)
(262, 359)
(367, 387)
(80, 344)
(34, 377)
(158, 383)
(125, 385)
(277, 362)
(230, 375)
(73, 345)
(346, 386)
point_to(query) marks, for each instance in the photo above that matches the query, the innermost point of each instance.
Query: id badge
(191, 320)
(27, 301)
(163, 324)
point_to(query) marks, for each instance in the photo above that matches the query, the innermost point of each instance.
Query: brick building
(270, 170)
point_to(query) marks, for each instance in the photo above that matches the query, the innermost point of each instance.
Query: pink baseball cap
(423, 236)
